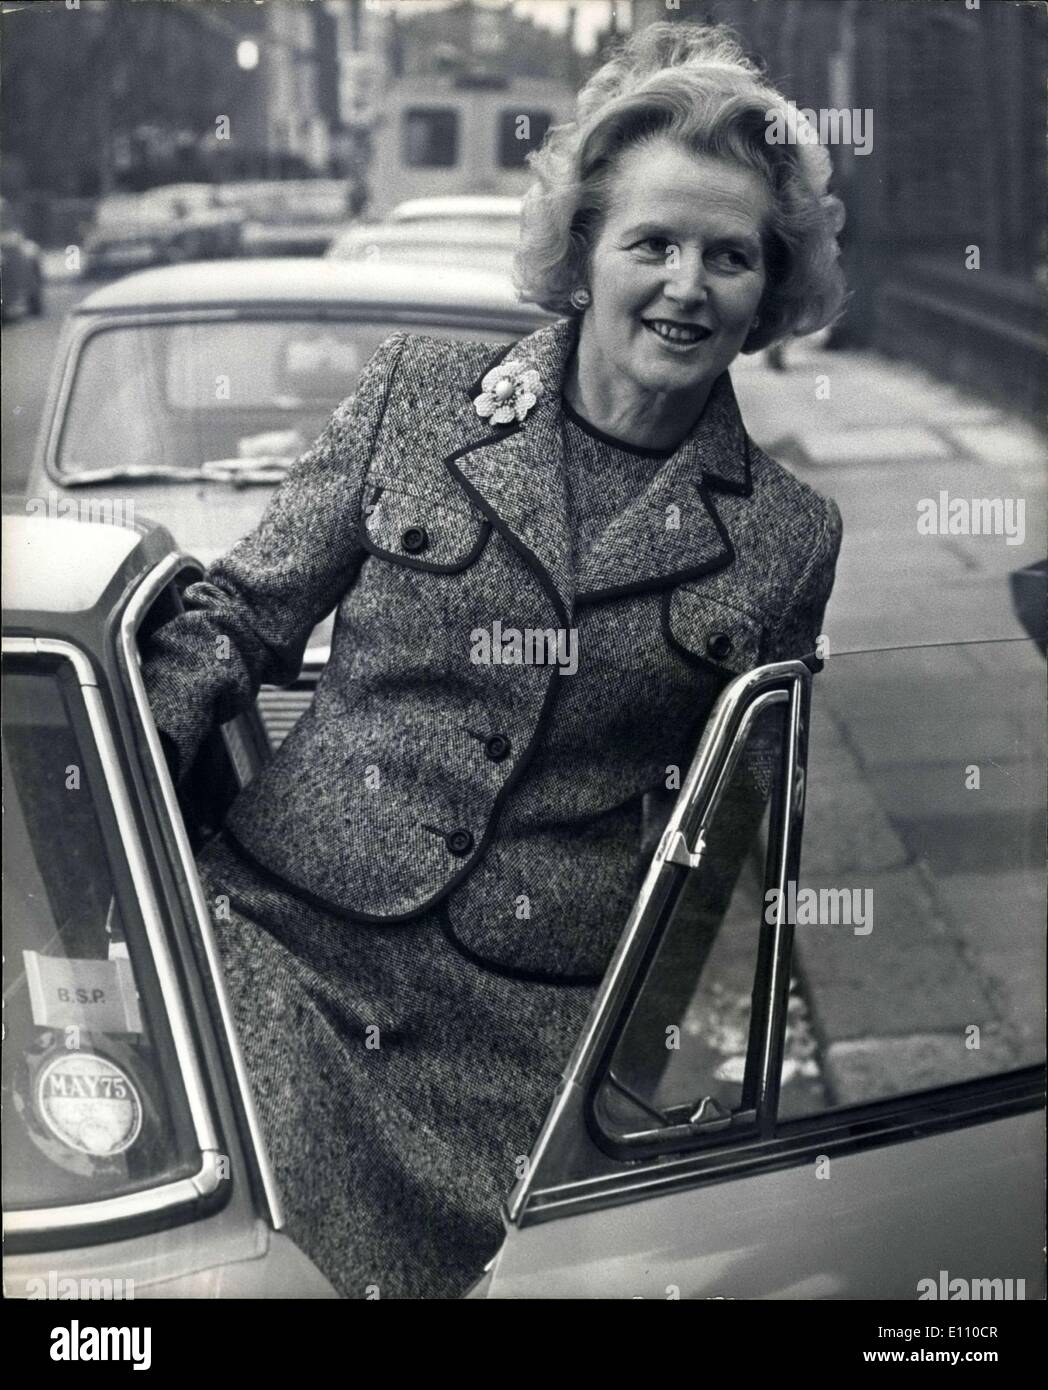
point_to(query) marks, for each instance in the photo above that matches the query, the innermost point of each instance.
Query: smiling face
(676, 272)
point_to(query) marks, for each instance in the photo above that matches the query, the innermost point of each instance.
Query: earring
(756, 322)
(580, 297)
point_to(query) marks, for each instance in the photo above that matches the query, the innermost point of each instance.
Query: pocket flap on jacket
(421, 532)
(710, 633)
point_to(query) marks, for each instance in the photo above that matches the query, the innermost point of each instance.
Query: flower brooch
(508, 392)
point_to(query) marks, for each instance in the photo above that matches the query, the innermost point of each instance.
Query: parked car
(130, 1144)
(471, 207)
(21, 269)
(131, 1147)
(487, 245)
(188, 392)
(289, 217)
(164, 226)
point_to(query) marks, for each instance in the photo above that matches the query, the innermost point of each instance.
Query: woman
(547, 561)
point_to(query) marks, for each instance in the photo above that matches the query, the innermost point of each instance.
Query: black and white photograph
(524, 630)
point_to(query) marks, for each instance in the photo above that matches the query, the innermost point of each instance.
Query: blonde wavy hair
(693, 84)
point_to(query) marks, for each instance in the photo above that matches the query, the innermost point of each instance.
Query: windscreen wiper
(131, 472)
(266, 468)
(238, 471)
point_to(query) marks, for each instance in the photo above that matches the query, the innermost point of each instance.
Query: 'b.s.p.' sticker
(97, 995)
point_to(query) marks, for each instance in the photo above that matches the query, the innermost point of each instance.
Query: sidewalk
(888, 437)
(955, 872)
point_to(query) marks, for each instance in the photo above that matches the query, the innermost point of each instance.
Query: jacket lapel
(516, 475)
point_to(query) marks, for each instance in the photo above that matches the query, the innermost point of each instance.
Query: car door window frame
(718, 754)
(690, 823)
(168, 573)
(558, 1181)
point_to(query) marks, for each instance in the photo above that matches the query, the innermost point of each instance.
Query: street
(27, 350)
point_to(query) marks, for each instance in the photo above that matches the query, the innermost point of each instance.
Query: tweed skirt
(399, 1084)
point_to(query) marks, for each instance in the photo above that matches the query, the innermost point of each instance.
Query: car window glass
(920, 903)
(93, 1107)
(181, 395)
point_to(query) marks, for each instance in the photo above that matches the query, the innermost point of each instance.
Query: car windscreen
(93, 1102)
(181, 395)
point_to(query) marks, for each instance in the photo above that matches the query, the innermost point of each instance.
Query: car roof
(56, 567)
(456, 231)
(179, 190)
(312, 281)
(461, 206)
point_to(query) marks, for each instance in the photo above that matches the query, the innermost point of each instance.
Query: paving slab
(927, 791)
(869, 1069)
(845, 829)
(889, 610)
(877, 987)
(875, 444)
(1006, 912)
(1021, 658)
(1001, 920)
(1003, 443)
(903, 557)
(990, 844)
(887, 738)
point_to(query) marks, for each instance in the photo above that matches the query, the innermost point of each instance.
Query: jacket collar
(516, 475)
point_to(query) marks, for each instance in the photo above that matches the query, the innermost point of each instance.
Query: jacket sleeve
(247, 621)
(791, 634)
(796, 632)
(733, 835)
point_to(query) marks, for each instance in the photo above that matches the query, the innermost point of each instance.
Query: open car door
(828, 1084)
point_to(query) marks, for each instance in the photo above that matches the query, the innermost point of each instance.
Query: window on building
(520, 132)
(431, 137)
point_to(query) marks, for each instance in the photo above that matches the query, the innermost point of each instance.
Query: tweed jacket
(443, 760)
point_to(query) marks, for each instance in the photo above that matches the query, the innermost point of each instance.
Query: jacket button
(497, 747)
(459, 843)
(414, 539)
(719, 646)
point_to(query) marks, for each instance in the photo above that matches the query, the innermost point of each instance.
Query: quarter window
(684, 1066)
